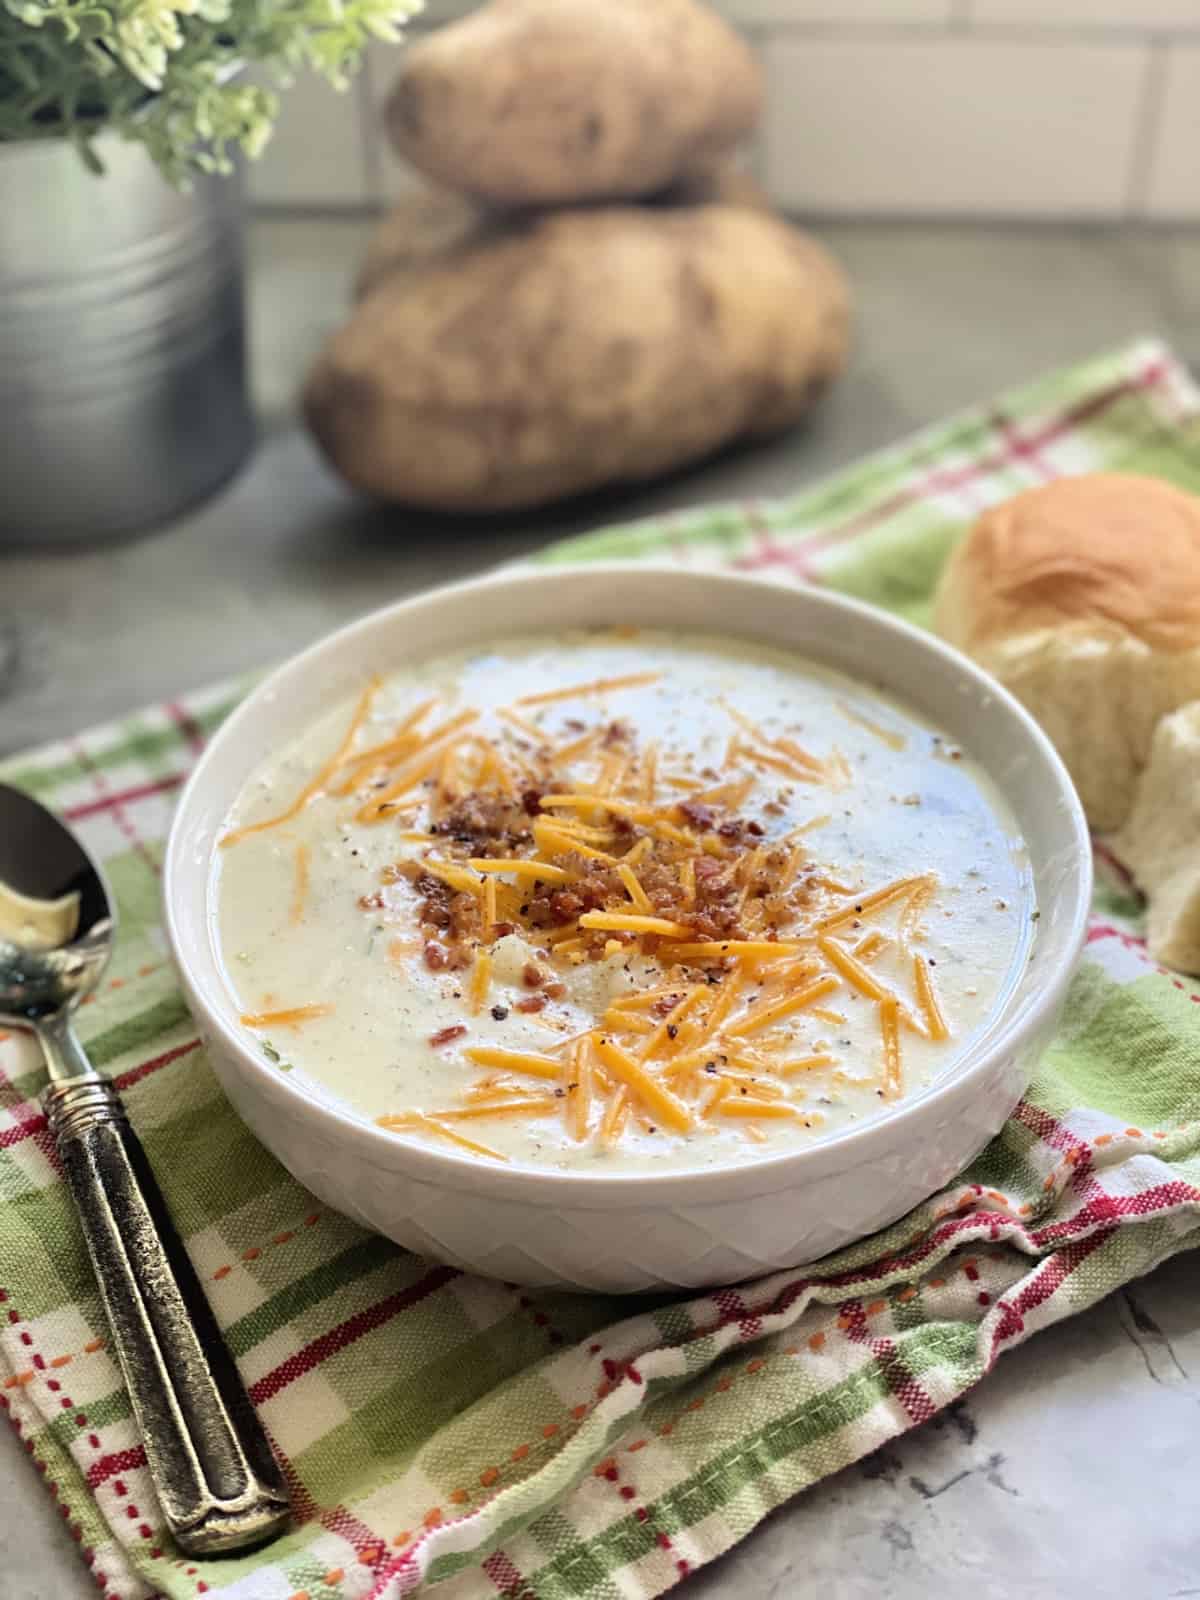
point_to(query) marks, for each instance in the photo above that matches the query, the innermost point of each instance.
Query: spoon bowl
(218, 1483)
(57, 924)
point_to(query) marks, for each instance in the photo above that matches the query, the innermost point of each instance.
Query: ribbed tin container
(122, 355)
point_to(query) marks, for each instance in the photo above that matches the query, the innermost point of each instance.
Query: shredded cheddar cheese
(636, 893)
(890, 1031)
(653, 1094)
(300, 893)
(870, 945)
(734, 1105)
(889, 736)
(290, 1017)
(481, 978)
(530, 729)
(771, 1011)
(855, 974)
(319, 779)
(862, 905)
(615, 1117)
(630, 680)
(521, 1061)
(406, 1121)
(457, 877)
(726, 929)
(579, 1094)
(789, 1069)
(623, 922)
(518, 867)
(935, 1022)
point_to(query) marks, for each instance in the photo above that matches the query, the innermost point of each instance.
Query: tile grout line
(369, 132)
(1148, 122)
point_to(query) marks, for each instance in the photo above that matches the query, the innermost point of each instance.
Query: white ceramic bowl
(637, 1231)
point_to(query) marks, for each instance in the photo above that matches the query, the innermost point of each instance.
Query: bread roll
(1083, 598)
(1160, 843)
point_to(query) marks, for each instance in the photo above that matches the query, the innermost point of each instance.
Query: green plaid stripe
(447, 1431)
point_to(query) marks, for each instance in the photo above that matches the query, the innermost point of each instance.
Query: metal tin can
(123, 393)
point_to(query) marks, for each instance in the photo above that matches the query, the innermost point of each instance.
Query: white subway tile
(317, 155)
(947, 125)
(1088, 13)
(850, 12)
(1173, 179)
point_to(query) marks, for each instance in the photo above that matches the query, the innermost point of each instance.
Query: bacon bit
(456, 1030)
(663, 1006)
(436, 956)
(534, 1002)
(532, 976)
(371, 902)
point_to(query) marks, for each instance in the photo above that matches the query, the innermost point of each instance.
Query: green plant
(166, 72)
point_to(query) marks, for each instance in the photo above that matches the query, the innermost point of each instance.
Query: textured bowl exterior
(640, 1232)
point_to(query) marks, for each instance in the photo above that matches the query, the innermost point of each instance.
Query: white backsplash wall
(1085, 109)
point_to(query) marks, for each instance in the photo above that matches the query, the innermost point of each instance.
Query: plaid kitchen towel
(442, 1431)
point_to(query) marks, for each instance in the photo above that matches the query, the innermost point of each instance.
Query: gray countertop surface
(1066, 1472)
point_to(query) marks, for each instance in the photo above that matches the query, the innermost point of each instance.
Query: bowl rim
(849, 1147)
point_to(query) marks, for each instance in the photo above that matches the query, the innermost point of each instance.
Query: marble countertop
(1066, 1471)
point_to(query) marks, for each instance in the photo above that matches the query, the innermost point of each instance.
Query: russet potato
(527, 102)
(519, 360)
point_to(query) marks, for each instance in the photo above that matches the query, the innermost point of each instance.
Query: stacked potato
(502, 354)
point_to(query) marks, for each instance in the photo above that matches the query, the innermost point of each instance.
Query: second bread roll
(1083, 598)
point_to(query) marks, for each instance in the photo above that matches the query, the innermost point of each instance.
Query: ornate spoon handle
(218, 1483)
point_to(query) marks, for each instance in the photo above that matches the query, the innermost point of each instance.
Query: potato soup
(619, 901)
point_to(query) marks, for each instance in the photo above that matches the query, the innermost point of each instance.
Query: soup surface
(617, 901)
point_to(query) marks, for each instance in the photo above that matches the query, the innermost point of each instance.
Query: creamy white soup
(615, 900)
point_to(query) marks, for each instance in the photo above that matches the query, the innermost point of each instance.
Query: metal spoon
(218, 1483)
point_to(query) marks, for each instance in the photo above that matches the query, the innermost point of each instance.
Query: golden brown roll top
(1083, 598)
